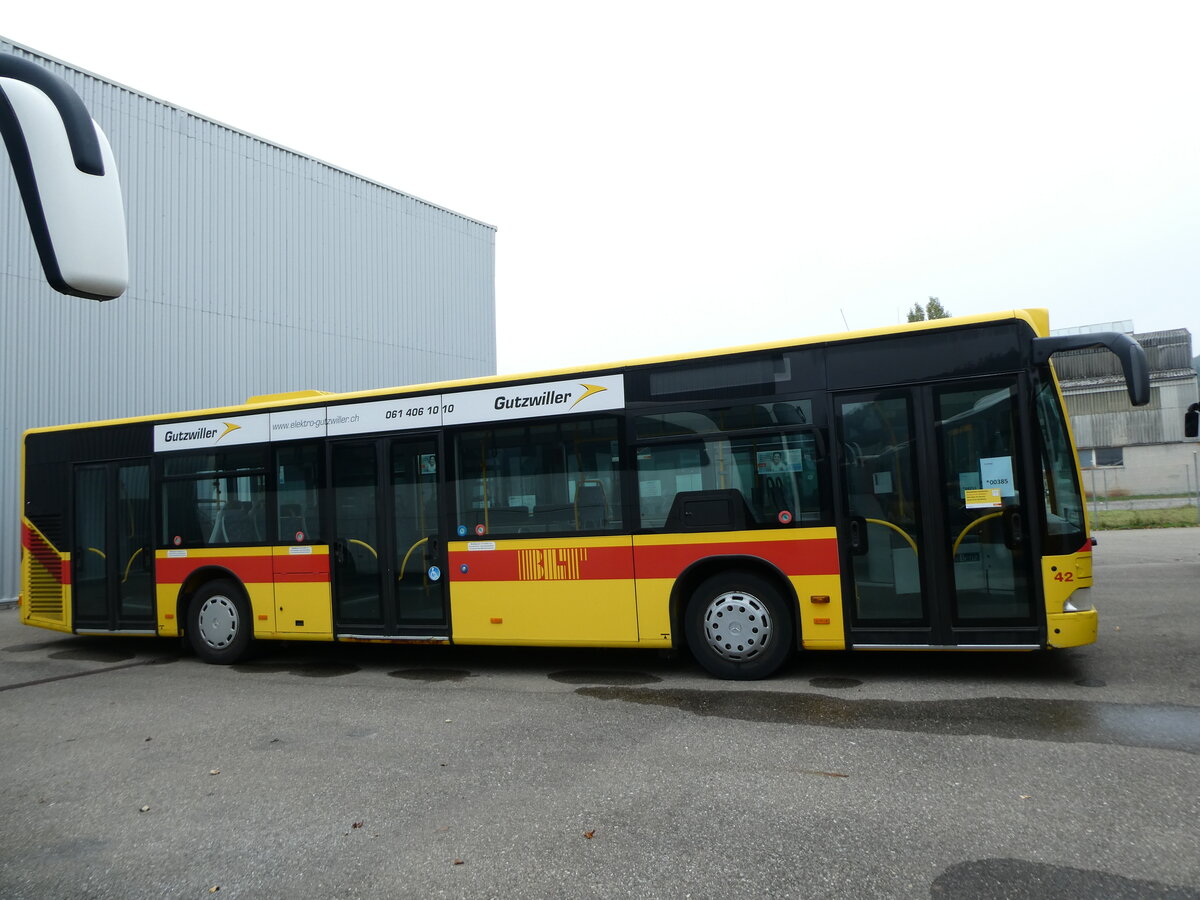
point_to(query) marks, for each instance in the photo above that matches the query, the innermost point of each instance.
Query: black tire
(219, 626)
(738, 626)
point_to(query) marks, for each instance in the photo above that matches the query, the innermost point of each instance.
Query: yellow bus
(907, 487)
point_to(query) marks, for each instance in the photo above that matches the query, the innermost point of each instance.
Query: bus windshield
(1064, 530)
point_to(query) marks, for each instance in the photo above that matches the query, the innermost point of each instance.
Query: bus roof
(1037, 319)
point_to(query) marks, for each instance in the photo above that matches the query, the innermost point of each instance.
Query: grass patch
(1172, 517)
(1120, 495)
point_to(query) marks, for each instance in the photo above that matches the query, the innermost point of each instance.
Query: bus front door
(386, 553)
(937, 544)
(112, 556)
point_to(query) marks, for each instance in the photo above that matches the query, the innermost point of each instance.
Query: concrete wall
(1150, 469)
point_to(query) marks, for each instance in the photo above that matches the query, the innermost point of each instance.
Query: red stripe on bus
(249, 569)
(49, 558)
(294, 569)
(799, 557)
(543, 564)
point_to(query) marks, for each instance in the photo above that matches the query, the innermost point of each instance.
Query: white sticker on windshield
(996, 473)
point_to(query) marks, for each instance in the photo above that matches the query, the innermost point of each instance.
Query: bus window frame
(451, 476)
(161, 481)
(822, 457)
(318, 528)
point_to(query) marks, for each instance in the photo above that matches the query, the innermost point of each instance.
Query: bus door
(387, 559)
(937, 516)
(112, 558)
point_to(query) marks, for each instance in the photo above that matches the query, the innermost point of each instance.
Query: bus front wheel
(219, 623)
(738, 627)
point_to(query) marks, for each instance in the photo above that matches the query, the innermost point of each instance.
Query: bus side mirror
(1127, 350)
(1191, 421)
(68, 181)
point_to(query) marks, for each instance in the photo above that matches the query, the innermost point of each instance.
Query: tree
(935, 310)
(931, 310)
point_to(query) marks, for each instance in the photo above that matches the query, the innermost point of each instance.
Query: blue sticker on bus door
(434, 573)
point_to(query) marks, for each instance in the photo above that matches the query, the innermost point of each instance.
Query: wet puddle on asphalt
(432, 675)
(91, 654)
(1164, 727)
(602, 676)
(1018, 878)
(321, 669)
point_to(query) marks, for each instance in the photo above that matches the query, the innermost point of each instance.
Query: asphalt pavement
(131, 769)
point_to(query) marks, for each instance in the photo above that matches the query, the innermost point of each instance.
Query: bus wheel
(219, 624)
(738, 627)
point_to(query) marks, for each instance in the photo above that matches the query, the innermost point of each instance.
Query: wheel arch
(197, 579)
(702, 569)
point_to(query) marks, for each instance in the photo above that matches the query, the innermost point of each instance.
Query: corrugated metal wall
(1121, 425)
(1099, 406)
(253, 270)
(1166, 352)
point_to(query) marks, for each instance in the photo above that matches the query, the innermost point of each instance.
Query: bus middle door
(388, 568)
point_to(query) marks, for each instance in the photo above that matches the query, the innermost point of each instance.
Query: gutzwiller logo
(551, 397)
(203, 433)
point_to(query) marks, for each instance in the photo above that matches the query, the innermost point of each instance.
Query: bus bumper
(1071, 629)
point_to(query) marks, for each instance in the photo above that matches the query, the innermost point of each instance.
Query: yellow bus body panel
(295, 605)
(1062, 576)
(807, 557)
(304, 610)
(822, 626)
(550, 591)
(304, 607)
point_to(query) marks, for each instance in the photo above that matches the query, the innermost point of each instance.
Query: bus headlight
(1075, 603)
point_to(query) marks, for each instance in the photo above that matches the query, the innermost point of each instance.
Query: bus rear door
(112, 556)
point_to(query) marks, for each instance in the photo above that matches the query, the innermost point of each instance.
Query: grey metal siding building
(1138, 450)
(253, 270)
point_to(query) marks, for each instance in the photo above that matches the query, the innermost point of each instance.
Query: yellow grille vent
(41, 579)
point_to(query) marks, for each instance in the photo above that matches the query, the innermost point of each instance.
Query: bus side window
(539, 479)
(665, 470)
(214, 498)
(775, 475)
(185, 520)
(297, 492)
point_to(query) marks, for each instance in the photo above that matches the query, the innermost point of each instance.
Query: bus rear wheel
(738, 627)
(219, 623)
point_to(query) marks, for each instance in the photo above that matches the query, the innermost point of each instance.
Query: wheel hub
(219, 622)
(737, 626)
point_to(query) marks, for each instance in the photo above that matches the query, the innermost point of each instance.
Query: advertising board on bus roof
(546, 398)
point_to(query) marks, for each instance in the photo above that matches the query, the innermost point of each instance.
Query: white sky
(672, 176)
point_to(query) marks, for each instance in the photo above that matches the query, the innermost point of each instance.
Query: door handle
(857, 532)
(1014, 528)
